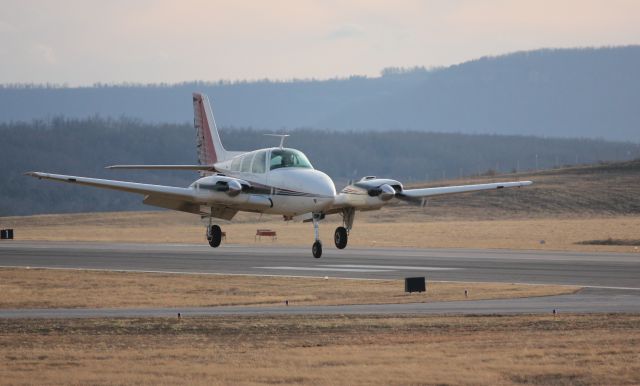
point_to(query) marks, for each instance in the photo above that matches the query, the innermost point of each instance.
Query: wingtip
(34, 174)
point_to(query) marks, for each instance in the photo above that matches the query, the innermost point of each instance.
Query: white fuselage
(293, 190)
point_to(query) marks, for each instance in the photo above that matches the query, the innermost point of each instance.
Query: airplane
(275, 180)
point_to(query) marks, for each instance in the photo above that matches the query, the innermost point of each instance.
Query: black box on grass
(415, 284)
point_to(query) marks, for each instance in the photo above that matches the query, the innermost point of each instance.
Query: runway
(534, 267)
(612, 280)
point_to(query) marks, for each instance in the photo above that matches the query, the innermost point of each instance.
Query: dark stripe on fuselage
(257, 188)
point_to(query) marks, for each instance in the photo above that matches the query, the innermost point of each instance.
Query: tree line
(84, 147)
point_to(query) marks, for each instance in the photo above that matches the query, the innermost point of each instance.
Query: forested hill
(557, 92)
(84, 147)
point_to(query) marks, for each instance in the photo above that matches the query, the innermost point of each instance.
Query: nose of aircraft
(322, 184)
(310, 181)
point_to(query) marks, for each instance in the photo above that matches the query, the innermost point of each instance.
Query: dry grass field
(351, 350)
(40, 288)
(369, 231)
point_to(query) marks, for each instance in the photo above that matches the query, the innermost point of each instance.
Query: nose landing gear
(316, 249)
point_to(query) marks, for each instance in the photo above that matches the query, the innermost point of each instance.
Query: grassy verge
(40, 288)
(590, 349)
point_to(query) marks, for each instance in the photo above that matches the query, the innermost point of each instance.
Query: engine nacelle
(222, 190)
(383, 188)
(219, 183)
(370, 193)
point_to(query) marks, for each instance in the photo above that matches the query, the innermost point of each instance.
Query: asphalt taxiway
(611, 280)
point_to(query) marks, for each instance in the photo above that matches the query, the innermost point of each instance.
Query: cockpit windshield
(288, 158)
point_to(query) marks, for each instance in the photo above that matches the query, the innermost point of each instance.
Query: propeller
(385, 191)
(234, 188)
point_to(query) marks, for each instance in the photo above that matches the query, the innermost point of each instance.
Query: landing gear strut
(214, 235)
(316, 249)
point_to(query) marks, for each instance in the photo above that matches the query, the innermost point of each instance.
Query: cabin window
(246, 163)
(258, 162)
(235, 164)
(288, 158)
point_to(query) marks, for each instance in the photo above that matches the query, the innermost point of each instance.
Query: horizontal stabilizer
(163, 167)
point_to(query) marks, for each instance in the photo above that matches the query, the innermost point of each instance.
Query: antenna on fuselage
(282, 137)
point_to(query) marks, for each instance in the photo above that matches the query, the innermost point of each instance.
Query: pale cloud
(44, 53)
(87, 41)
(345, 31)
(6, 27)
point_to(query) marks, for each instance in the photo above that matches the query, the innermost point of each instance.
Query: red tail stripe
(211, 156)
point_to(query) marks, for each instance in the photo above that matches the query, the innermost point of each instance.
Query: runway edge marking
(302, 276)
(191, 273)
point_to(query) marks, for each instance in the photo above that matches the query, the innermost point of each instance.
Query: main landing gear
(341, 236)
(214, 235)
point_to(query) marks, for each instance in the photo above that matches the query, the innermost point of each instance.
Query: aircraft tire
(215, 236)
(316, 249)
(341, 237)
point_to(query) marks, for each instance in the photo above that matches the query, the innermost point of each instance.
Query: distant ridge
(603, 189)
(587, 92)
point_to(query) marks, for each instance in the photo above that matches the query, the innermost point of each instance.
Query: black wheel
(341, 237)
(316, 249)
(214, 236)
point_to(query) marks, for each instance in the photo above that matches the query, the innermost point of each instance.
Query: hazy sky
(85, 41)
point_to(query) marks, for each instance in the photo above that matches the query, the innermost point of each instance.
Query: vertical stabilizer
(208, 144)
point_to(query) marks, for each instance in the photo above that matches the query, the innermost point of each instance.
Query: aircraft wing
(185, 194)
(169, 197)
(418, 194)
(163, 167)
(374, 194)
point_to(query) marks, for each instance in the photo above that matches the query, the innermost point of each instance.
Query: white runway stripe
(392, 267)
(326, 269)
